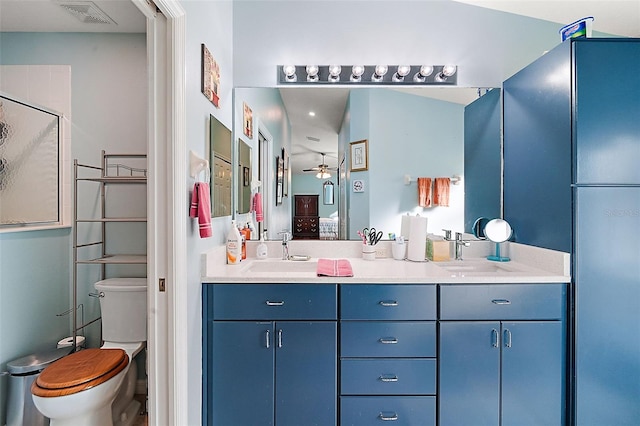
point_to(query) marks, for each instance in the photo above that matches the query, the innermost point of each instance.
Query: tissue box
(438, 249)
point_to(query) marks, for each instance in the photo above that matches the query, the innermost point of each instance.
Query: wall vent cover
(86, 12)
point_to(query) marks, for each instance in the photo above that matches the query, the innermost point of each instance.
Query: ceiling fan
(322, 169)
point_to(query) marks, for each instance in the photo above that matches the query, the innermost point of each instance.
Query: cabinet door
(241, 374)
(306, 373)
(469, 373)
(532, 373)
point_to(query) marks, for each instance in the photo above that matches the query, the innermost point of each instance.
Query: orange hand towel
(441, 191)
(424, 192)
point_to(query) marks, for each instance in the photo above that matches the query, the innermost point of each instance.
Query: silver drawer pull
(388, 340)
(501, 301)
(267, 339)
(388, 303)
(388, 417)
(388, 378)
(494, 338)
(279, 338)
(270, 303)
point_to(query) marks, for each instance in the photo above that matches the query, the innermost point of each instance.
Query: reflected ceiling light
(312, 72)
(323, 174)
(447, 71)
(290, 73)
(379, 72)
(312, 114)
(401, 73)
(334, 73)
(356, 73)
(421, 76)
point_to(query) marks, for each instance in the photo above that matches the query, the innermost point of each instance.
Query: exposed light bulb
(401, 73)
(290, 72)
(356, 73)
(379, 73)
(312, 72)
(449, 70)
(334, 73)
(421, 76)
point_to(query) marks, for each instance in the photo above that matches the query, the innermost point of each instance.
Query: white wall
(268, 33)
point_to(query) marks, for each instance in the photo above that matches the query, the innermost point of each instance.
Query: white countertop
(528, 265)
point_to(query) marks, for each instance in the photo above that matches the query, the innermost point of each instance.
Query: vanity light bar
(394, 75)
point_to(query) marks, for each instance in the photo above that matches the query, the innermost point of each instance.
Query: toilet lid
(79, 371)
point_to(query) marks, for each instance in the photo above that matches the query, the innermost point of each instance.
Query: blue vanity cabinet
(270, 354)
(387, 354)
(502, 355)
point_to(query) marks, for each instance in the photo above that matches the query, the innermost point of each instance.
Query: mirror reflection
(221, 171)
(244, 177)
(418, 132)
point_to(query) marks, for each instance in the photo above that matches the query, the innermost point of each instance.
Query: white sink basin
(274, 266)
(476, 267)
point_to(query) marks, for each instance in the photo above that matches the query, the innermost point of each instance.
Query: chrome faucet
(286, 236)
(459, 243)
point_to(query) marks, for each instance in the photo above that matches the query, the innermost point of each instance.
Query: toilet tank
(123, 303)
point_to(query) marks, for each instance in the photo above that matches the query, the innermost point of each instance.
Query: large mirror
(426, 132)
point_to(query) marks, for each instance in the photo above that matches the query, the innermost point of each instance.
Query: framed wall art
(210, 77)
(247, 119)
(359, 156)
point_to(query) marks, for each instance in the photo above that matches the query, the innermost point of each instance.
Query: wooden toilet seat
(79, 371)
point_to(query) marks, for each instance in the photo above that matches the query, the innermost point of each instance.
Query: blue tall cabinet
(572, 183)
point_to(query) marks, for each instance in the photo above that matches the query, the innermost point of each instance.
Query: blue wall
(310, 184)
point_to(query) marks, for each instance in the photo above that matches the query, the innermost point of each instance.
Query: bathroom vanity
(458, 343)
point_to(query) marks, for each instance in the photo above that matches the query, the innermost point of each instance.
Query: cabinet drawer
(274, 301)
(388, 302)
(401, 410)
(388, 377)
(503, 301)
(387, 339)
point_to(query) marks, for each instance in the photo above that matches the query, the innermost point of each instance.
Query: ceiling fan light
(323, 174)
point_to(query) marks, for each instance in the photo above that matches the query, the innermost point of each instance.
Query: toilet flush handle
(101, 294)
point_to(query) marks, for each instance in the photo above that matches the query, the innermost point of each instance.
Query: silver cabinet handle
(388, 340)
(494, 338)
(388, 303)
(388, 378)
(388, 417)
(279, 338)
(101, 294)
(501, 301)
(267, 339)
(270, 303)
(507, 338)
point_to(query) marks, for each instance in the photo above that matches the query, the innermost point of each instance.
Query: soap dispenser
(261, 250)
(234, 245)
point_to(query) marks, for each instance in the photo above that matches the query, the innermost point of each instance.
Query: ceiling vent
(86, 12)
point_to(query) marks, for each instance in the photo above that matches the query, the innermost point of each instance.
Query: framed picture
(210, 77)
(279, 180)
(359, 156)
(247, 119)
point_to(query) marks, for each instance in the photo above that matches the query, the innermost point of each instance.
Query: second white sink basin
(476, 267)
(282, 266)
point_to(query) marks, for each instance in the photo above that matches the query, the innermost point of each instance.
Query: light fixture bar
(393, 75)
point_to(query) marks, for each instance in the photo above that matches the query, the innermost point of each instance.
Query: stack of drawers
(388, 354)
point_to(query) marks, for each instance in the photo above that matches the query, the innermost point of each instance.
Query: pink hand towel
(441, 191)
(256, 206)
(334, 268)
(424, 192)
(201, 208)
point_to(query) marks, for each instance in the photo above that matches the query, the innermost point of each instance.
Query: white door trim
(166, 236)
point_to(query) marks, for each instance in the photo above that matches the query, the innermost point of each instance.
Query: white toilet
(95, 387)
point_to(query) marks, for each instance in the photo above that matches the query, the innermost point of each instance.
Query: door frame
(166, 233)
